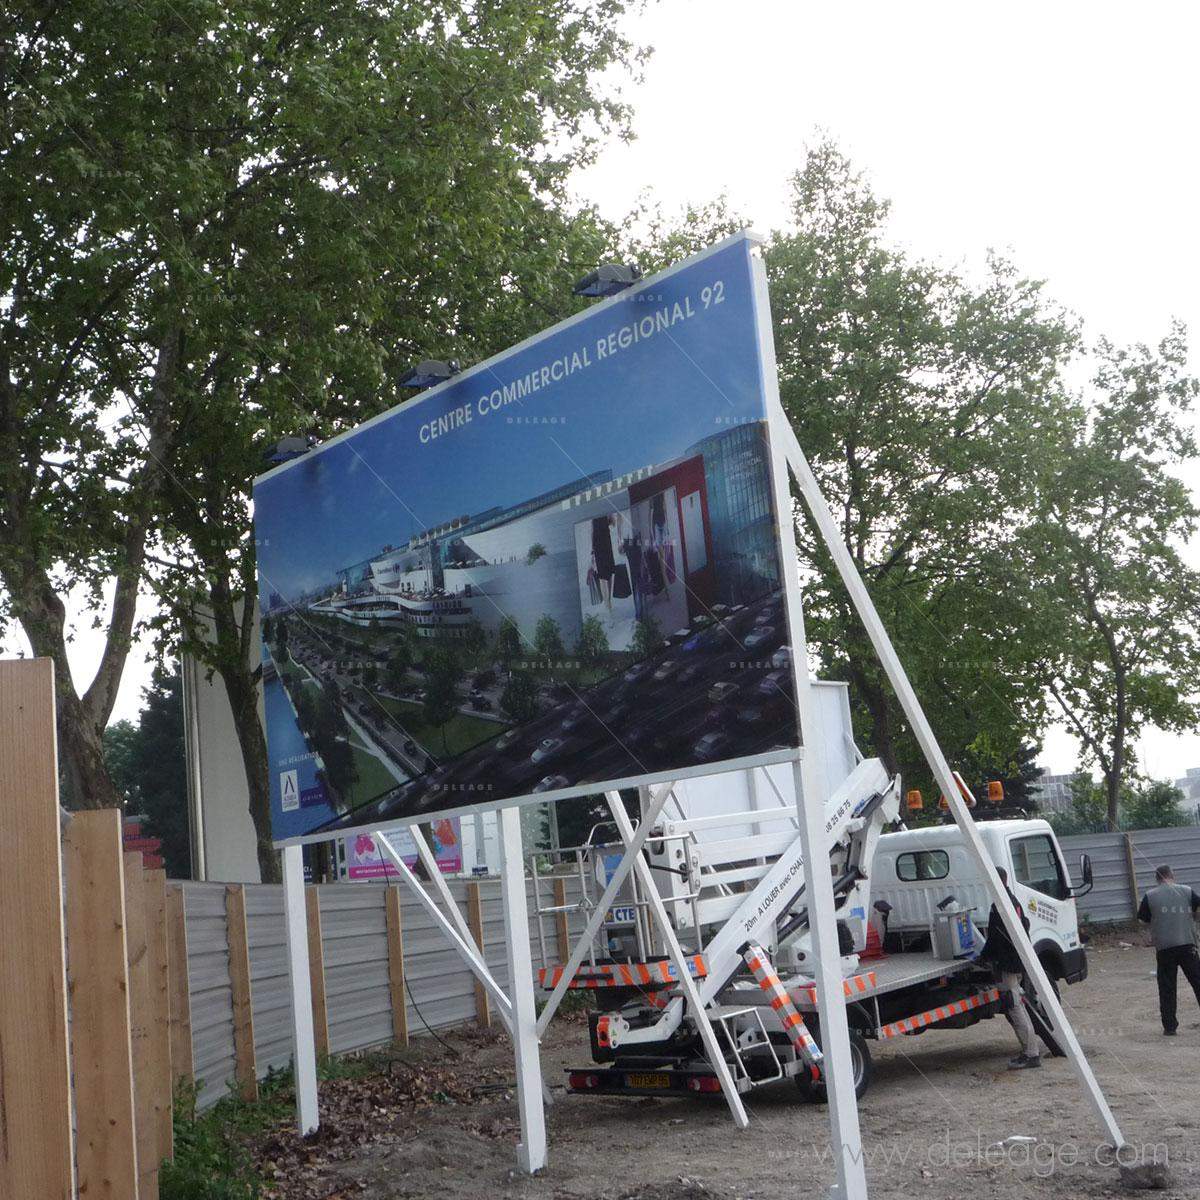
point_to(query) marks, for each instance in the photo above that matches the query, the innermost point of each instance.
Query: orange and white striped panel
(856, 985)
(781, 1002)
(934, 1015)
(635, 974)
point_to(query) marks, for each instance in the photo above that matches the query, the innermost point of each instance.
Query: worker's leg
(1167, 963)
(1017, 1015)
(1189, 962)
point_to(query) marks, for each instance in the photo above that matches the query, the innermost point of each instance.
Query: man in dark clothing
(1169, 909)
(1000, 953)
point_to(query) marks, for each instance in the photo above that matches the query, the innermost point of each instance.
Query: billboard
(556, 573)
(365, 861)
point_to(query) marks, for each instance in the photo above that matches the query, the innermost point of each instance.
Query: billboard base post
(675, 952)
(304, 1046)
(886, 653)
(454, 927)
(531, 1152)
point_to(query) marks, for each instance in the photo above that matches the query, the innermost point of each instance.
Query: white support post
(531, 1153)
(845, 1136)
(675, 952)
(633, 848)
(304, 1046)
(465, 945)
(455, 927)
(827, 527)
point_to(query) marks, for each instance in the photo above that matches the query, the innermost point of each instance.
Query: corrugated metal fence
(440, 990)
(1123, 867)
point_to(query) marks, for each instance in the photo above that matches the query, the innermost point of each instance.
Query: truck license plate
(648, 1079)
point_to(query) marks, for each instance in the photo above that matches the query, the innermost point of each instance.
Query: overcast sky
(1063, 135)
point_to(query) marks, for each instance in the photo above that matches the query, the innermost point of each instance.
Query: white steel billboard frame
(519, 1011)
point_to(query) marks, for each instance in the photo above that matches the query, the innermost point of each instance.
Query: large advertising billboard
(556, 573)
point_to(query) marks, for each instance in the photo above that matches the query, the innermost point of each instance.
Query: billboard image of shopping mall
(557, 572)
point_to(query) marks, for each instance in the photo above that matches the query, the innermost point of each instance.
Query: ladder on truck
(735, 903)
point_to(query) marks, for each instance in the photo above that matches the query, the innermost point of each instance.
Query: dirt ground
(936, 1108)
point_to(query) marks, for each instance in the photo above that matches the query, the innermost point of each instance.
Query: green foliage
(647, 638)
(1155, 804)
(210, 1162)
(1117, 607)
(536, 551)
(519, 697)
(474, 641)
(443, 675)
(547, 640)
(508, 644)
(148, 766)
(925, 405)
(592, 646)
(225, 223)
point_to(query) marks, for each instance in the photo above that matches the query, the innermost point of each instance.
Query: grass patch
(462, 732)
(373, 777)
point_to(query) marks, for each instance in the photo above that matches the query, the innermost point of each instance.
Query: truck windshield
(1036, 865)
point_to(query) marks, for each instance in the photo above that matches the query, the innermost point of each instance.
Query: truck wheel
(1041, 1023)
(860, 1059)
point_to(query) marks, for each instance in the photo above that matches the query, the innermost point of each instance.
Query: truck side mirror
(1085, 870)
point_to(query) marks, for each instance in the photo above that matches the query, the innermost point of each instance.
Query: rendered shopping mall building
(666, 542)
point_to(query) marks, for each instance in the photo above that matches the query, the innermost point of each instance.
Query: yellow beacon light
(915, 803)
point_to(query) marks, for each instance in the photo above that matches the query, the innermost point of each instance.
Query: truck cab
(916, 869)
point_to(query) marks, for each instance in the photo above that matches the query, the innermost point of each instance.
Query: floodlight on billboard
(555, 573)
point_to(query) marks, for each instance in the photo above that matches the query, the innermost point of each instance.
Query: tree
(1087, 813)
(519, 697)
(1155, 805)
(548, 642)
(536, 551)
(396, 671)
(509, 646)
(1118, 607)
(647, 638)
(221, 225)
(474, 641)
(592, 647)
(148, 765)
(925, 405)
(444, 674)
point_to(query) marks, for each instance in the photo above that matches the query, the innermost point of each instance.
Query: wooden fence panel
(139, 1026)
(316, 970)
(98, 976)
(483, 1008)
(159, 1028)
(395, 943)
(36, 1143)
(182, 1061)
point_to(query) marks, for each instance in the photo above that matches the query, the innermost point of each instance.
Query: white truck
(725, 855)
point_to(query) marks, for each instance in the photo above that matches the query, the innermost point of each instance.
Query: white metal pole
(464, 945)
(675, 952)
(838, 1069)
(455, 927)
(531, 1153)
(304, 1046)
(890, 661)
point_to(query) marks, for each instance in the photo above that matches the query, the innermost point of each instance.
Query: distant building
(1189, 785)
(1053, 792)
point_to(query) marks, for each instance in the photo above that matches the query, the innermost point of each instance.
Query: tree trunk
(83, 770)
(1112, 777)
(879, 709)
(243, 701)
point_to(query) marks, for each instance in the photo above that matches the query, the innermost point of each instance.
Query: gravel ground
(936, 1108)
